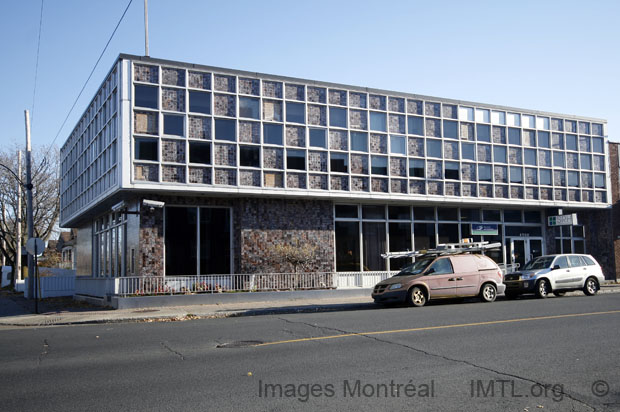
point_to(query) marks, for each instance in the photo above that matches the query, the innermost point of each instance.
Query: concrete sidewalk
(15, 310)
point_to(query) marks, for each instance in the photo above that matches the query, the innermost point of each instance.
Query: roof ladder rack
(445, 249)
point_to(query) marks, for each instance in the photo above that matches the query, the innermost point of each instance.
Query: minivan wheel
(416, 297)
(542, 288)
(591, 287)
(488, 292)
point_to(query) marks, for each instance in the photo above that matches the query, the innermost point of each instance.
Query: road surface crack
(169, 349)
(487, 369)
(522, 378)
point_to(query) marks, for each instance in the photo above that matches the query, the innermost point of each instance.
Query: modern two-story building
(184, 169)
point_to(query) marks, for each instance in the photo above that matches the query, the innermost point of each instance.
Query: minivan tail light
(501, 277)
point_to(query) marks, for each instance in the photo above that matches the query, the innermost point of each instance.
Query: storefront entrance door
(523, 249)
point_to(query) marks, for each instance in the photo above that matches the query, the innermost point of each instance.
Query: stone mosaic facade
(225, 154)
(200, 175)
(359, 164)
(295, 92)
(317, 94)
(249, 132)
(317, 115)
(272, 89)
(249, 86)
(339, 183)
(249, 178)
(338, 140)
(145, 123)
(398, 167)
(226, 177)
(398, 185)
(223, 83)
(173, 174)
(317, 161)
(173, 99)
(173, 77)
(358, 119)
(415, 146)
(378, 143)
(144, 172)
(296, 136)
(224, 105)
(414, 106)
(199, 80)
(396, 104)
(358, 100)
(147, 74)
(359, 184)
(318, 182)
(396, 123)
(433, 127)
(173, 150)
(338, 97)
(377, 102)
(273, 158)
(379, 184)
(296, 180)
(432, 109)
(199, 127)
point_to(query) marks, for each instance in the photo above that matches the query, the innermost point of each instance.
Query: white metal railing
(169, 285)
(350, 280)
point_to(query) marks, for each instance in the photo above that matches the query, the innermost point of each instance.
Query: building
(184, 169)
(66, 246)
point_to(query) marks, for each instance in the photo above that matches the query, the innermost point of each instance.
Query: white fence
(52, 286)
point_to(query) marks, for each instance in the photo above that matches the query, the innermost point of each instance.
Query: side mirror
(556, 267)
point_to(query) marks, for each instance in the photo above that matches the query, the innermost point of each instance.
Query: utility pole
(29, 216)
(3, 258)
(18, 223)
(146, 28)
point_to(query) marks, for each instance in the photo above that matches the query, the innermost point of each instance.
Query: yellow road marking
(458, 325)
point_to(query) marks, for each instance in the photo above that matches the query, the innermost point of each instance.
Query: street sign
(35, 243)
(562, 220)
(489, 229)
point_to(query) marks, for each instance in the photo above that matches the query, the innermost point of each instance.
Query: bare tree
(45, 195)
(298, 256)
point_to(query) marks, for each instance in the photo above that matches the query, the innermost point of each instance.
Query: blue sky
(556, 56)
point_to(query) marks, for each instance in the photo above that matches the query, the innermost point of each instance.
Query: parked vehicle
(556, 274)
(443, 273)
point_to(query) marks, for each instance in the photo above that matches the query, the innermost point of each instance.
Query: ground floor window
(570, 239)
(197, 240)
(110, 246)
(364, 232)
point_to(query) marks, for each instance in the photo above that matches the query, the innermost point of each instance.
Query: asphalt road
(556, 354)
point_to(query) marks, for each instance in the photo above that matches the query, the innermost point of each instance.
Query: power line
(36, 68)
(91, 73)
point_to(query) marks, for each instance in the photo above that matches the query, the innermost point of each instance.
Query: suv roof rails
(445, 249)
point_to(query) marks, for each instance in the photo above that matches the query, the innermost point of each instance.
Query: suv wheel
(416, 297)
(542, 288)
(591, 287)
(488, 292)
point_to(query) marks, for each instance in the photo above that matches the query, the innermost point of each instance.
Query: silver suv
(556, 274)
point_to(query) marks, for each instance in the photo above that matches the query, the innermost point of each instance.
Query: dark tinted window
(272, 133)
(416, 125)
(416, 167)
(378, 165)
(146, 96)
(399, 212)
(146, 149)
(199, 102)
(337, 117)
(173, 124)
(450, 129)
(296, 159)
(317, 138)
(338, 162)
(483, 132)
(346, 211)
(199, 152)
(249, 107)
(296, 112)
(249, 156)
(225, 129)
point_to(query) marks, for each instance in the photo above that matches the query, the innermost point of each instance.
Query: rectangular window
(374, 245)
(400, 240)
(378, 165)
(433, 148)
(558, 159)
(317, 138)
(346, 211)
(572, 179)
(545, 177)
(424, 213)
(483, 115)
(347, 246)
(450, 129)
(146, 149)
(214, 241)
(543, 139)
(173, 124)
(398, 145)
(451, 170)
(424, 236)
(225, 129)
(339, 162)
(586, 161)
(359, 141)
(249, 156)
(199, 102)
(296, 159)
(146, 96)
(272, 133)
(483, 133)
(399, 213)
(378, 122)
(181, 241)
(484, 173)
(200, 152)
(337, 117)
(530, 157)
(571, 142)
(514, 136)
(499, 154)
(296, 112)
(416, 168)
(416, 125)
(249, 107)
(516, 174)
(468, 151)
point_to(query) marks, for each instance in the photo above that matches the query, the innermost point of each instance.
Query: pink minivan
(437, 277)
